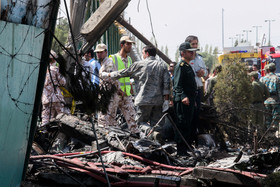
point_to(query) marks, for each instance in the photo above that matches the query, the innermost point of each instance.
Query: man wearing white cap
(52, 99)
(121, 60)
(107, 65)
(120, 100)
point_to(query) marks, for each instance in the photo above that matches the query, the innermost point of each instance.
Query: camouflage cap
(266, 67)
(254, 74)
(100, 48)
(271, 67)
(127, 39)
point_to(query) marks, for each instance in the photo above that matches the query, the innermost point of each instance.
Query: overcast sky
(174, 20)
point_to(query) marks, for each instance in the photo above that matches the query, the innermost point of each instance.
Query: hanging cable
(138, 5)
(99, 153)
(150, 16)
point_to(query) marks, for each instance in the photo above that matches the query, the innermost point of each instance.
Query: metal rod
(99, 153)
(156, 124)
(255, 142)
(176, 128)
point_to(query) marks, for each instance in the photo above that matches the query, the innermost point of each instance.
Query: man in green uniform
(184, 96)
(260, 94)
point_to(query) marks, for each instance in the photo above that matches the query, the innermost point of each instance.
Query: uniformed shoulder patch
(182, 63)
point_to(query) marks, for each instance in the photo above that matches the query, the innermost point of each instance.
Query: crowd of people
(158, 89)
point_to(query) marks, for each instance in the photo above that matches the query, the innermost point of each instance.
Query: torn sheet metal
(30, 12)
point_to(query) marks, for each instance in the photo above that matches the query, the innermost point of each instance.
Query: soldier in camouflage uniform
(107, 65)
(152, 82)
(272, 82)
(52, 99)
(120, 99)
(260, 94)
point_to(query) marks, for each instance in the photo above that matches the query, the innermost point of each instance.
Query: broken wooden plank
(219, 176)
(142, 38)
(101, 19)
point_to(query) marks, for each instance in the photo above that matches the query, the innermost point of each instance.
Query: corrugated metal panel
(20, 53)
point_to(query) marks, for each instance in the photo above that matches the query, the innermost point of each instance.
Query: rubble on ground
(65, 152)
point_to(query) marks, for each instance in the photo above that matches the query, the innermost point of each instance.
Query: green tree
(61, 33)
(236, 43)
(206, 48)
(210, 59)
(232, 98)
(177, 55)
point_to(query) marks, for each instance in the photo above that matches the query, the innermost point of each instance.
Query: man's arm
(166, 82)
(203, 69)
(178, 84)
(128, 72)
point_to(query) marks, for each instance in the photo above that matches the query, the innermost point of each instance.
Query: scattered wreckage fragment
(130, 160)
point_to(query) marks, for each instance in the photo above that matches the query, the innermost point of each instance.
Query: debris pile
(65, 152)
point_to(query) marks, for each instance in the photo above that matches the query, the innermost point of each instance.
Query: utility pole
(269, 22)
(247, 34)
(255, 26)
(223, 28)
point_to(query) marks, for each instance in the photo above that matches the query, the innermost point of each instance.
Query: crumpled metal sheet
(30, 12)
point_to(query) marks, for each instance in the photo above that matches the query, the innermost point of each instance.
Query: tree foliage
(233, 93)
(210, 56)
(61, 32)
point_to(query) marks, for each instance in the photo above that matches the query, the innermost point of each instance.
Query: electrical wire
(67, 174)
(99, 152)
(71, 31)
(151, 23)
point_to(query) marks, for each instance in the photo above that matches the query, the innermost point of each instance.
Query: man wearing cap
(152, 82)
(272, 82)
(260, 94)
(107, 65)
(184, 96)
(52, 99)
(121, 60)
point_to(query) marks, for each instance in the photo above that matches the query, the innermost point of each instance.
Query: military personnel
(107, 65)
(272, 82)
(152, 82)
(52, 99)
(124, 101)
(184, 96)
(260, 94)
(200, 71)
(209, 90)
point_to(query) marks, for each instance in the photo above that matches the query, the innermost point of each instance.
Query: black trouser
(195, 121)
(184, 117)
